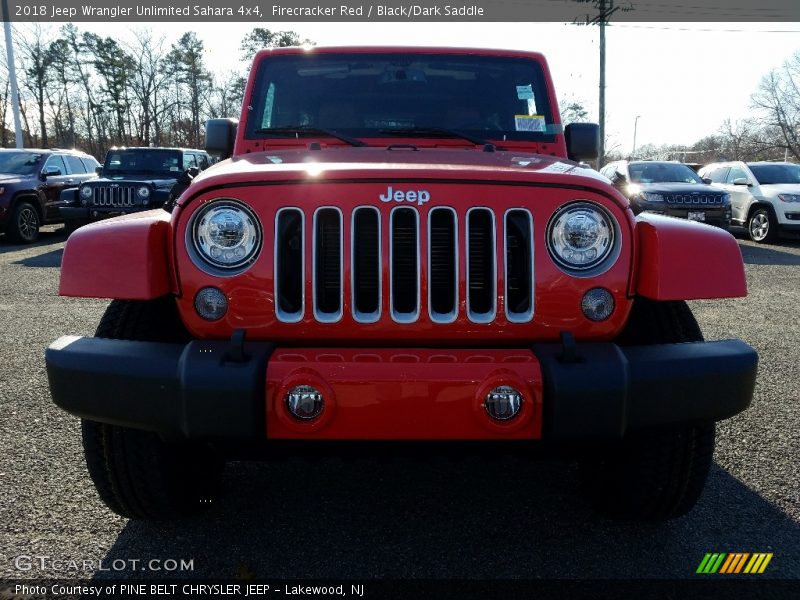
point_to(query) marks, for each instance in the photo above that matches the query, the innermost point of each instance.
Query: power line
(629, 26)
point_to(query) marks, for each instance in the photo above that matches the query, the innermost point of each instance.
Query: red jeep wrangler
(400, 248)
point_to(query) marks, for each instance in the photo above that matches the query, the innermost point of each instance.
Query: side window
(90, 164)
(736, 173)
(188, 160)
(202, 161)
(74, 164)
(55, 161)
(718, 175)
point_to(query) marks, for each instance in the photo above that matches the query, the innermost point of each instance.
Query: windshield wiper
(308, 130)
(435, 132)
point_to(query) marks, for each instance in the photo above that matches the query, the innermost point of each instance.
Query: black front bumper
(81, 213)
(205, 390)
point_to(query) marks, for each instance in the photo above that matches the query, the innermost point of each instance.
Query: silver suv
(765, 196)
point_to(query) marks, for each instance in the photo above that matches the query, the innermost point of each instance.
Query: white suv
(765, 196)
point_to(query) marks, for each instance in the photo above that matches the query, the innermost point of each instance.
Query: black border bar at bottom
(711, 586)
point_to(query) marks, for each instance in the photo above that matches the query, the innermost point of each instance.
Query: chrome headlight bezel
(199, 245)
(607, 252)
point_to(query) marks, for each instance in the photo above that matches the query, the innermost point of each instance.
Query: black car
(132, 180)
(31, 181)
(669, 188)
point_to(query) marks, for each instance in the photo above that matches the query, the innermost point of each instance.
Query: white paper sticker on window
(529, 122)
(525, 92)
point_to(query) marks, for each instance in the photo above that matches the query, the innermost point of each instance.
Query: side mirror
(188, 175)
(99, 171)
(740, 181)
(707, 180)
(51, 172)
(583, 141)
(220, 136)
(618, 178)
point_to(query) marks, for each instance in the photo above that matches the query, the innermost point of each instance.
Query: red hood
(371, 163)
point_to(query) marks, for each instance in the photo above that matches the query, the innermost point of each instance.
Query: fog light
(503, 403)
(211, 304)
(597, 304)
(305, 402)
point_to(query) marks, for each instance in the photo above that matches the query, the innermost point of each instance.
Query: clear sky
(683, 79)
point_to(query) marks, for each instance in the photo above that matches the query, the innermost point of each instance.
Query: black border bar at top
(784, 12)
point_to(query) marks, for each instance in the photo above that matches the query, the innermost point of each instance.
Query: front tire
(23, 227)
(762, 227)
(138, 474)
(653, 474)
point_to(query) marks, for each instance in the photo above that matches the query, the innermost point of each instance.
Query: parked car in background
(669, 188)
(765, 196)
(132, 180)
(31, 181)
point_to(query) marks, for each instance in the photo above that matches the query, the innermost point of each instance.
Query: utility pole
(601, 156)
(635, 127)
(605, 9)
(12, 75)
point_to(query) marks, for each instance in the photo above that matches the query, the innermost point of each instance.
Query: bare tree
(777, 99)
(35, 60)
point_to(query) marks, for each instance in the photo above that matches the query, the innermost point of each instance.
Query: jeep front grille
(114, 196)
(404, 264)
(410, 268)
(694, 199)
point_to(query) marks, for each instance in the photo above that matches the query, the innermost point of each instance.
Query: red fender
(125, 258)
(683, 260)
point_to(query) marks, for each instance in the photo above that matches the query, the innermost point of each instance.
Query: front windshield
(142, 161)
(368, 95)
(663, 173)
(19, 163)
(768, 174)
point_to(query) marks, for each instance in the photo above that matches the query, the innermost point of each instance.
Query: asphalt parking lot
(430, 519)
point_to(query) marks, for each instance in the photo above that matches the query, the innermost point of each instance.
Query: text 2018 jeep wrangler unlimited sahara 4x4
(399, 248)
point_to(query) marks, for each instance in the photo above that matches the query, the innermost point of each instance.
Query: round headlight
(580, 236)
(144, 192)
(226, 234)
(86, 191)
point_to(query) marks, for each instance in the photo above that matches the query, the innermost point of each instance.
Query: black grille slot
(328, 264)
(404, 264)
(481, 285)
(366, 264)
(289, 277)
(443, 264)
(519, 265)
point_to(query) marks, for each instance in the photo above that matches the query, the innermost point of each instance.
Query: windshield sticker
(174, 169)
(525, 92)
(524, 161)
(529, 123)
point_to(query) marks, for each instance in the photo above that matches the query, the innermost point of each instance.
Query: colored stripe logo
(734, 562)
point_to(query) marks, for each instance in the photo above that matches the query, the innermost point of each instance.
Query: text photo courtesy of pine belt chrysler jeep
(399, 248)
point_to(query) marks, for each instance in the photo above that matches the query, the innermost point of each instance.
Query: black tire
(762, 226)
(653, 474)
(138, 474)
(71, 226)
(23, 226)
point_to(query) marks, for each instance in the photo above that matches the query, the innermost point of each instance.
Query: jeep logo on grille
(418, 196)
